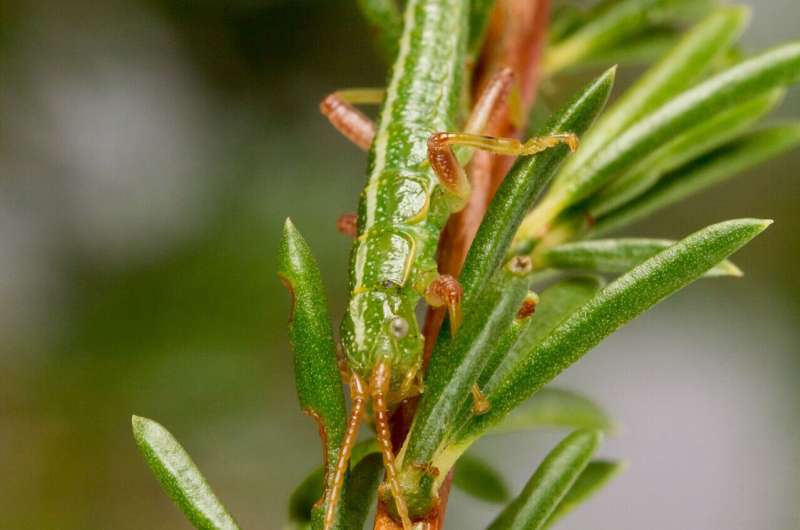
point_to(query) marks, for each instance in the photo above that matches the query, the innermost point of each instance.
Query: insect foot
(445, 290)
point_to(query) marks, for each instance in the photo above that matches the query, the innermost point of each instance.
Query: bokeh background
(149, 153)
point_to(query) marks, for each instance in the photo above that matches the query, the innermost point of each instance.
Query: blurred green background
(149, 152)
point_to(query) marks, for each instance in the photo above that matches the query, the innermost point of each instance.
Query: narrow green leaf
(556, 303)
(308, 492)
(362, 487)
(480, 12)
(745, 152)
(612, 256)
(319, 387)
(608, 24)
(553, 408)
(477, 478)
(639, 50)
(550, 483)
(677, 71)
(627, 297)
(690, 144)
(596, 475)
(179, 476)
(457, 366)
(775, 68)
(386, 23)
(524, 183)
(305, 496)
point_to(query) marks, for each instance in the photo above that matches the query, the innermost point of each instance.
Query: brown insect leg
(347, 224)
(379, 385)
(445, 290)
(348, 120)
(359, 395)
(480, 405)
(440, 153)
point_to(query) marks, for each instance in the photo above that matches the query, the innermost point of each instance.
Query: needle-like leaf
(596, 475)
(614, 256)
(550, 483)
(684, 64)
(319, 387)
(692, 143)
(771, 69)
(179, 476)
(611, 23)
(386, 23)
(522, 185)
(476, 477)
(738, 155)
(624, 299)
(555, 408)
(362, 488)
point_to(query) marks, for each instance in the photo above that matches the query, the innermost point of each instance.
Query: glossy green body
(402, 209)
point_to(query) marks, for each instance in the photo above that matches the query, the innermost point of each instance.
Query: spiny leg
(348, 120)
(359, 395)
(452, 176)
(445, 290)
(347, 224)
(379, 387)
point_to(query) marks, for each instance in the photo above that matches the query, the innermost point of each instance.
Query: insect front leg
(359, 397)
(444, 290)
(352, 123)
(379, 385)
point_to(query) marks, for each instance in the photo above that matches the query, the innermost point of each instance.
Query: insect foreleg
(359, 398)
(379, 385)
(444, 290)
(348, 120)
(480, 405)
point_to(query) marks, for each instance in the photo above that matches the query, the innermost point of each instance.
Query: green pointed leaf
(639, 50)
(362, 488)
(676, 72)
(624, 299)
(745, 152)
(555, 408)
(477, 478)
(480, 12)
(179, 476)
(386, 23)
(550, 483)
(455, 366)
(523, 184)
(317, 378)
(612, 256)
(596, 475)
(610, 23)
(692, 143)
(304, 498)
(774, 68)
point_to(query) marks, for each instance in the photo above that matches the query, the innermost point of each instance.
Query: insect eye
(399, 327)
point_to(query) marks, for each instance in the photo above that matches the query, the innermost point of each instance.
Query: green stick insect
(415, 182)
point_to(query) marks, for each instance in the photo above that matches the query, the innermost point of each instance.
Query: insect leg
(452, 176)
(347, 224)
(359, 395)
(379, 385)
(445, 290)
(348, 120)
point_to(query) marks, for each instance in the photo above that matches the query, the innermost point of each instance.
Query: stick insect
(415, 181)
